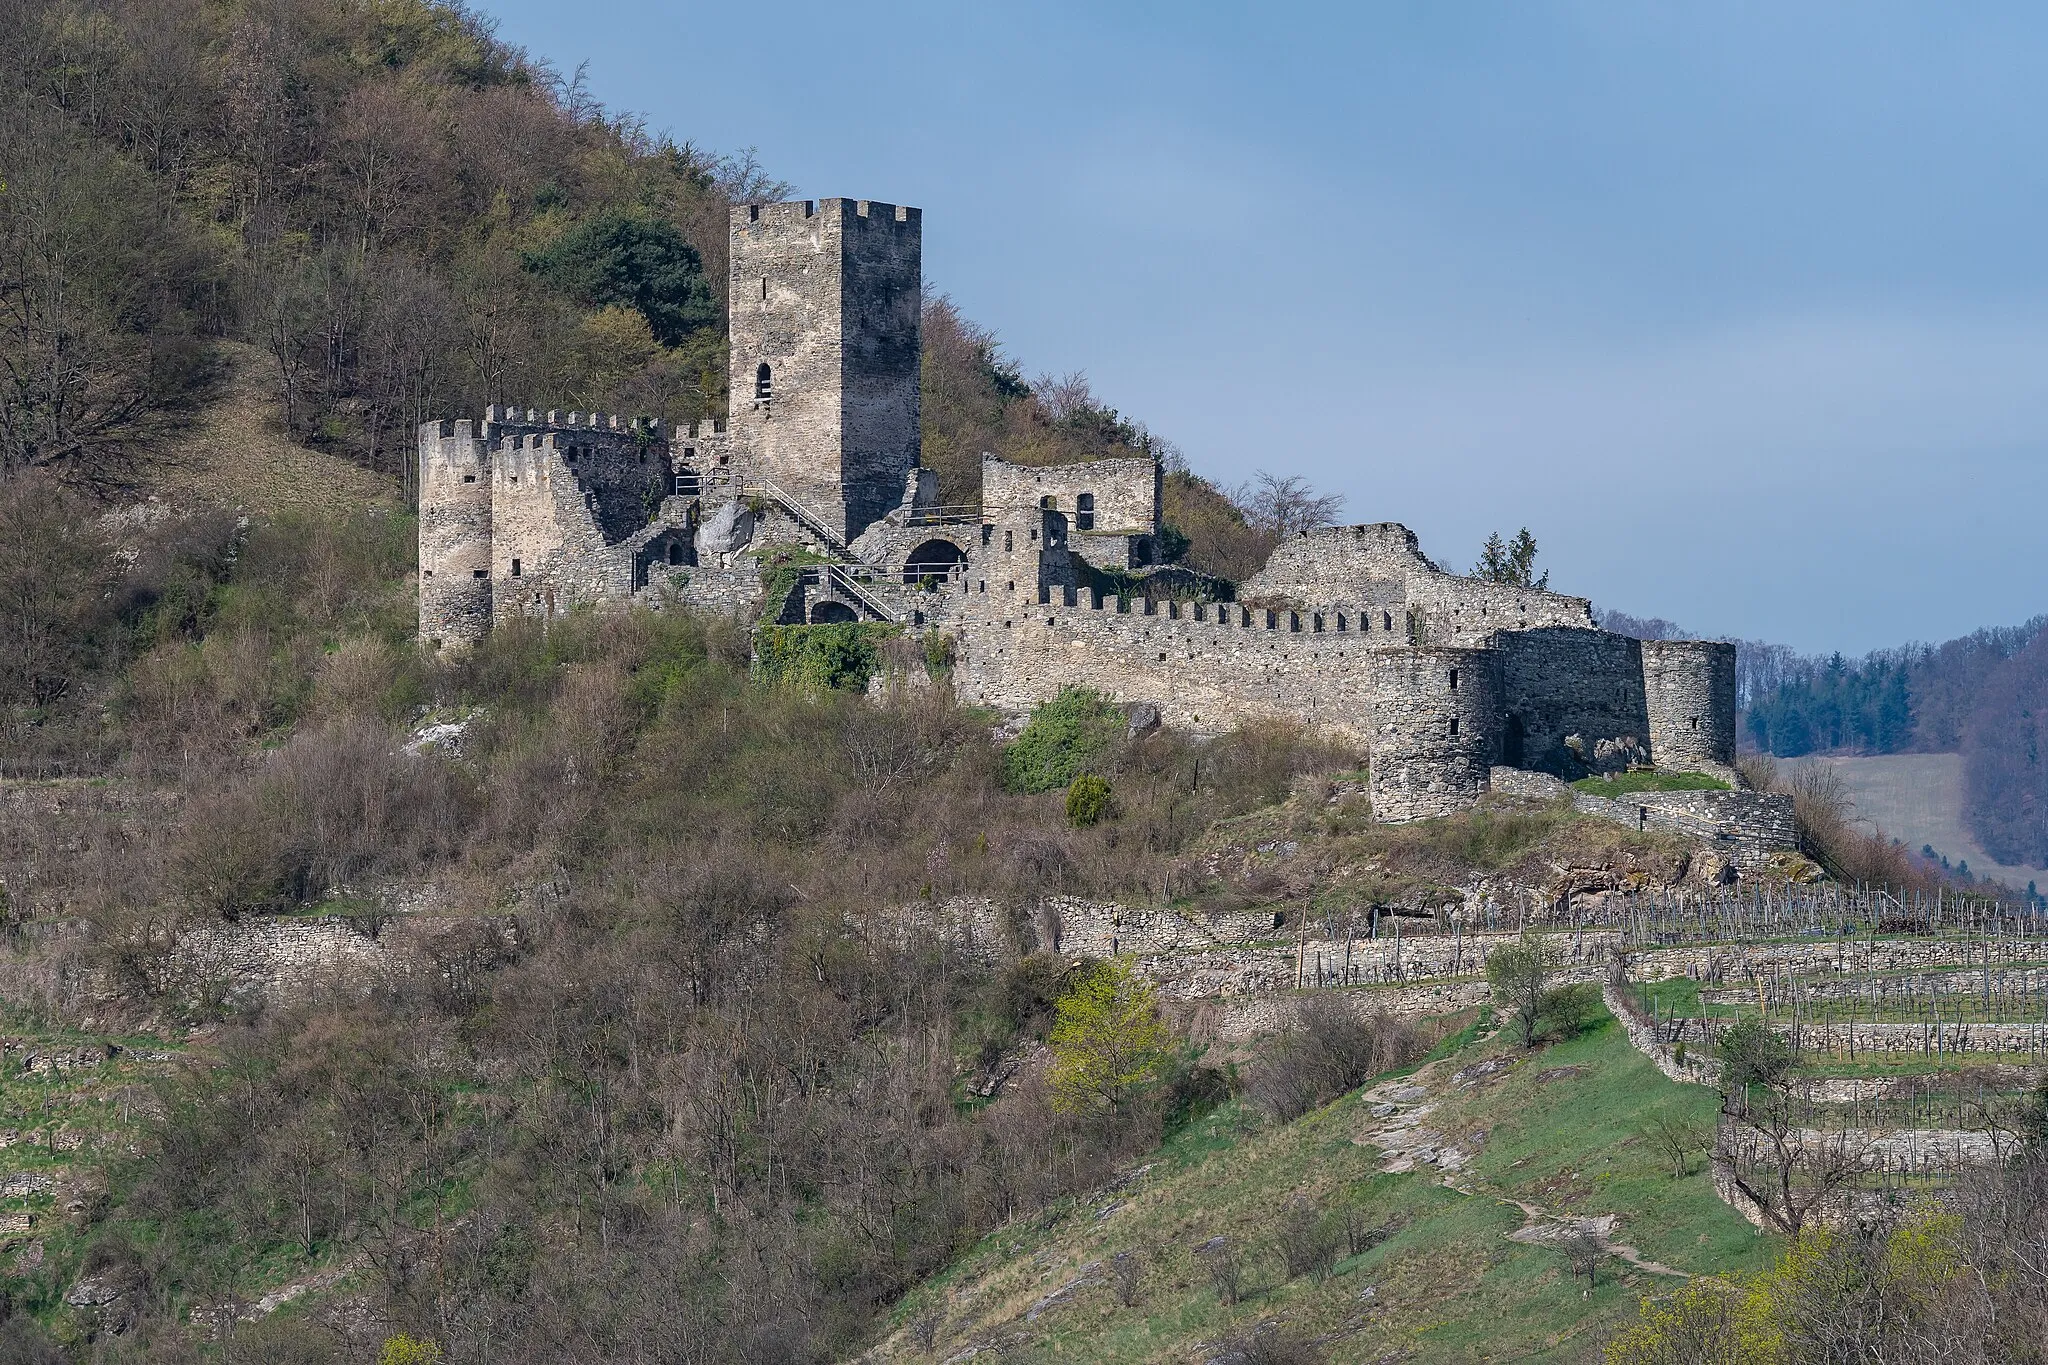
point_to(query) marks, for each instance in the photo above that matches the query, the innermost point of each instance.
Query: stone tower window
(764, 382)
(1454, 680)
(1084, 512)
(1695, 722)
(1009, 540)
(1454, 727)
(764, 289)
(1387, 620)
(515, 568)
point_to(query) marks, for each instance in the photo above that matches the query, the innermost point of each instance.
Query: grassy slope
(235, 454)
(67, 1110)
(1448, 1285)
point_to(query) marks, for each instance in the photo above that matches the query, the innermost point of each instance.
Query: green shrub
(1566, 1011)
(408, 1350)
(840, 656)
(1065, 735)
(940, 650)
(1087, 800)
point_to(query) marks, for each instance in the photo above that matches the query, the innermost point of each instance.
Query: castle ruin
(1453, 685)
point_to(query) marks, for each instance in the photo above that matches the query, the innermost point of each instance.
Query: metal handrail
(847, 584)
(803, 514)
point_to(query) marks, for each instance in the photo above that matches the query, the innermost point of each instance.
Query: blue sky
(1740, 308)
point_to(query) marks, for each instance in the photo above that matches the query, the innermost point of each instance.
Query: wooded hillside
(412, 220)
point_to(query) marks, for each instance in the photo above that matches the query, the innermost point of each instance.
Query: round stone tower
(1435, 729)
(455, 534)
(1689, 689)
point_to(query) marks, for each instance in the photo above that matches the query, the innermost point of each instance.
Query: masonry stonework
(1452, 686)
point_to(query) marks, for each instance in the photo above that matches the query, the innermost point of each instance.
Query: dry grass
(238, 455)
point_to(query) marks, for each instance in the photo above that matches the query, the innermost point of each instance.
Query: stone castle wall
(881, 299)
(1565, 683)
(1382, 567)
(1208, 668)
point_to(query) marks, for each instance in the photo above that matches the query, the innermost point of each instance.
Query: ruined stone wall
(1208, 668)
(1750, 826)
(1381, 566)
(547, 552)
(1689, 694)
(454, 534)
(1123, 495)
(733, 592)
(1560, 682)
(1435, 722)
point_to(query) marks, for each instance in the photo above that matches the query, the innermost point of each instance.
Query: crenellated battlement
(860, 213)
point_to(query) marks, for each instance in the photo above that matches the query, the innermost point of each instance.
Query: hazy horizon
(1738, 311)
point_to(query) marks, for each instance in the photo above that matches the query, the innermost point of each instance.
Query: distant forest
(1984, 696)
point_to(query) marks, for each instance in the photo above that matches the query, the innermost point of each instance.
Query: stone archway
(935, 558)
(832, 614)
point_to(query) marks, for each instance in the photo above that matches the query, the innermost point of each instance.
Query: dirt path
(1402, 1105)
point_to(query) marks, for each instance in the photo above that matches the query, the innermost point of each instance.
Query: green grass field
(1558, 1129)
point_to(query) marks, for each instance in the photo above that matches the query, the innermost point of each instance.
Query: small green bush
(1566, 1011)
(1621, 784)
(1064, 737)
(840, 656)
(409, 1350)
(1087, 800)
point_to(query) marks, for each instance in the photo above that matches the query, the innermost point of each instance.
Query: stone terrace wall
(280, 959)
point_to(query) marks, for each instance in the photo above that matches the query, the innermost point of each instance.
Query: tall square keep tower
(824, 310)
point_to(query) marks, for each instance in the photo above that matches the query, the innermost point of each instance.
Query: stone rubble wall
(1238, 1019)
(288, 958)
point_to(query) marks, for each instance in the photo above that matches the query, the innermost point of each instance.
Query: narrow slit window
(1454, 680)
(764, 289)
(515, 569)
(764, 382)
(1454, 727)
